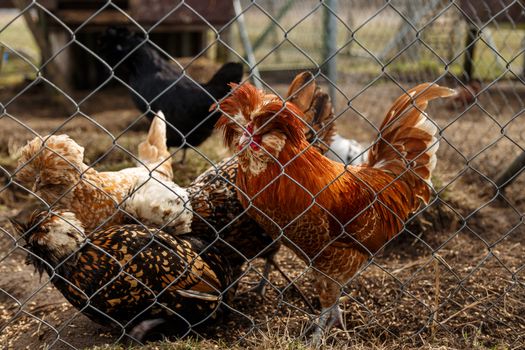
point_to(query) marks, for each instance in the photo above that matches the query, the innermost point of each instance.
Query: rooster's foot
(330, 317)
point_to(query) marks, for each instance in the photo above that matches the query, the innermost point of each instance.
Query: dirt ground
(453, 279)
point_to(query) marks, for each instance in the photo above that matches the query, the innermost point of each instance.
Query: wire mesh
(453, 274)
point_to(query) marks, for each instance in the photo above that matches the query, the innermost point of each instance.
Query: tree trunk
(52, 70)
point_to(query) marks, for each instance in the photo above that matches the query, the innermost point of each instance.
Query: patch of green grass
(16, 71)
(17, 36)
(439, 185)
(426, 65)
(278, 52)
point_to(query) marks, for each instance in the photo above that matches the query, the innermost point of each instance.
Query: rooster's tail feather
(317, 108)
(153, 152)
(407, 139)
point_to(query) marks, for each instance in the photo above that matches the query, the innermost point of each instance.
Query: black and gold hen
(130, 276)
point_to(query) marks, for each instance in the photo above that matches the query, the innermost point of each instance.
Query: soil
(453, 278)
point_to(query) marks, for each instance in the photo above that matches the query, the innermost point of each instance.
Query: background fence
(453, 278)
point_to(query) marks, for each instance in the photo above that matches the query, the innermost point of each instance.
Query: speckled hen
(130, 276)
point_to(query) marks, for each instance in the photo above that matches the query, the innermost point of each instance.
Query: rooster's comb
(247, 104)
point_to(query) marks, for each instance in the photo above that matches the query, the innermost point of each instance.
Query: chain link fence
(453, 276)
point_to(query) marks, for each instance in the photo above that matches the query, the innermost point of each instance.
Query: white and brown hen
(53, 168)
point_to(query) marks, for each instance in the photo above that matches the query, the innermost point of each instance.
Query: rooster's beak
(245, 138)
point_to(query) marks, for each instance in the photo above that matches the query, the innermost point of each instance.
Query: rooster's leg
(329, 292)
(335, 267)
(289, 280)
(261, 286)
(330, 317)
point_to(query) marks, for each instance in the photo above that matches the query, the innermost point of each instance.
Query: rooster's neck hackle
(249, 106)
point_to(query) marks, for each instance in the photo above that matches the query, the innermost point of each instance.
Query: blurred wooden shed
(478, 14)
(500, 11)
(180, 28)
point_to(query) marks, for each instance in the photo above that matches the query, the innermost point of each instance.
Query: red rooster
(333, 216)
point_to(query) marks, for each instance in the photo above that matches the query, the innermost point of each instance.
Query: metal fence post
(329, 65)
(247, 44)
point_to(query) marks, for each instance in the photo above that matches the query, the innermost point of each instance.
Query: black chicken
(129, 276)
(161, 85)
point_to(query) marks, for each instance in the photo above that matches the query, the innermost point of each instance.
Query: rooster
(333, 216)
(54, 169)
(129, 276)
(159, 85)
